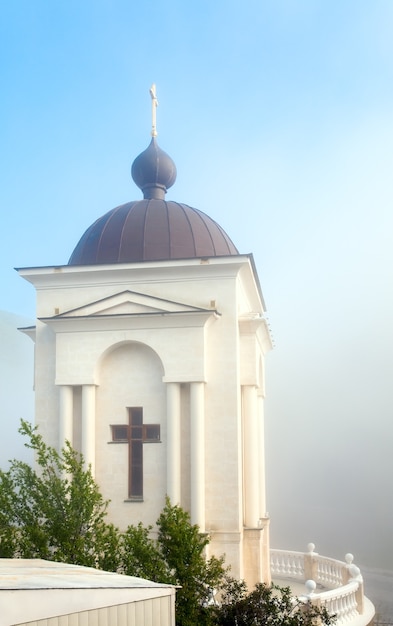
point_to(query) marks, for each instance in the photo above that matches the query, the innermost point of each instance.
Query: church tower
(149, 359)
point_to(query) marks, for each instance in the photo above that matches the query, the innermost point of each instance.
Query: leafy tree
(57, 512)
(267, 605)
(176, 557)
(141, 555)
(183, 547)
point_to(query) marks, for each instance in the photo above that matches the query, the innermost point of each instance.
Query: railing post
(348, 565)
(342, 589)
(310, 599)
(355, 576)
(310, 563)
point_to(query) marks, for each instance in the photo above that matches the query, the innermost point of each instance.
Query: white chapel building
(149, 358)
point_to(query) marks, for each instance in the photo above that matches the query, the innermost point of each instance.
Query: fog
(329, 432)
(16, 388)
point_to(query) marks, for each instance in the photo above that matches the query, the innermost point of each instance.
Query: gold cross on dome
(154, 105)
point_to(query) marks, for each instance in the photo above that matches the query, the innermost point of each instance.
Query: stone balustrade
(335, 585)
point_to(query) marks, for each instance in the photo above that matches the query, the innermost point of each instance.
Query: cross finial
(154, 105)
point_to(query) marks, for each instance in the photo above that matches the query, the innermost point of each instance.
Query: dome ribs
(133, 234)
(151, 230)
(110, 240)
(223, 244)
(86, 251)
(205, 244)
(156, 240)
(182, 237)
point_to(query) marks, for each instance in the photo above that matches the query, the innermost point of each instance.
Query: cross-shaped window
(135, 433)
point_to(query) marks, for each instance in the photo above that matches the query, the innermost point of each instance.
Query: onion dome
(152, 229)
(153, 171)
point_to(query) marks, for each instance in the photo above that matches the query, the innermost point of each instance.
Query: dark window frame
(135, 434)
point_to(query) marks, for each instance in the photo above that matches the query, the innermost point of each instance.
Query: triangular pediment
(129, 303)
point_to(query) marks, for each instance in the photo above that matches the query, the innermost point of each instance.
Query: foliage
(177, 557)
(141, 556)
(58, 513)
(267, 605)
(183, 547)
(54, 513)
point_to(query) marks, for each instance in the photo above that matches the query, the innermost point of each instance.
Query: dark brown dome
(151, 230)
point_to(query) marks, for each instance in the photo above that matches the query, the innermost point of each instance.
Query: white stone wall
(130, 376)
(131, 329)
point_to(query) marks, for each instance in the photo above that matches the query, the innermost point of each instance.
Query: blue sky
(279, 117)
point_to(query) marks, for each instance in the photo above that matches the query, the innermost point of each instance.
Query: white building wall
(130, 376)
(130, 350)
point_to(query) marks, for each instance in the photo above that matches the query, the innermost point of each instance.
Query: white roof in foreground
(34, 589)
(40, 574)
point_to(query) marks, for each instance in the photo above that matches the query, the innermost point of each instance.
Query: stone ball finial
(310, 585)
